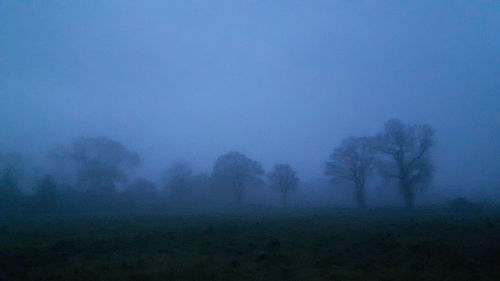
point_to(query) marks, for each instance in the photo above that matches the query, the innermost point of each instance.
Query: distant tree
(101, 164)
(235, 171)
(179, 181)
(201, 185)
(141, 194)
(61, 165)
(353, 161)
(202, 181)
(11, 170)
(46, 198)
(284, 179)
(9, 191)
(407, 156)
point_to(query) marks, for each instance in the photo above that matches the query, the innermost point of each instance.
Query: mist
(250, 140)
(188, 80)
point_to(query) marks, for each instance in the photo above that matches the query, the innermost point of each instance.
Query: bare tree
(235, 171)
(407, 156)
(284, 179)
(353, 161)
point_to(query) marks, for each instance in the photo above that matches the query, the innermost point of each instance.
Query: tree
(46, 197)
(235, 171)
(284, 179)
(11, 172)
(201, 184)
(101, 164)
(407, 156)
(353, 161)
(61, 165)
(179, 180)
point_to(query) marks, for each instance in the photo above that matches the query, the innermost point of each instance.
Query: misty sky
(281, 81)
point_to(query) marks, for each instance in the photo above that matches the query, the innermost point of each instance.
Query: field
(296, 245)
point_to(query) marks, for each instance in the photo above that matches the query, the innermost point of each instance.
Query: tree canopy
(236, 171)
(406, 150)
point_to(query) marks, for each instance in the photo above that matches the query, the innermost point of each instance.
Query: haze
(281, 83)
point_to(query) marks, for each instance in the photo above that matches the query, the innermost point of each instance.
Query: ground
(292, 245)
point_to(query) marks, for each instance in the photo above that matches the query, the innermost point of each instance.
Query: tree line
(94, 175)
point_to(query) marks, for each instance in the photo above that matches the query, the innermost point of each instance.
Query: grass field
(307, 245)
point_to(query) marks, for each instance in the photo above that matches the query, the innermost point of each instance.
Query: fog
(280, 83)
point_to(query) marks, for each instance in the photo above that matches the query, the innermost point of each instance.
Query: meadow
(313, 244)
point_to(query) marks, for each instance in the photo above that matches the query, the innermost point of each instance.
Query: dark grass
(294, 245)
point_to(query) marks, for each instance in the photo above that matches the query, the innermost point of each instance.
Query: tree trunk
(360, 195)
(239, 194)
(285, 199)
(408, 194)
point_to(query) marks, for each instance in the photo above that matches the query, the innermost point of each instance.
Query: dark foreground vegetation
(379, 244)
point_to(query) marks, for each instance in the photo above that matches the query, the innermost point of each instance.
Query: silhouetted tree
(10, 176)
(353, 161)
(201, 184)
(61, 165)
(46, 198)
(179, 181)
(235, 171)
(101, 163)
(284, 179)
(9, 191)
(407, 156)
